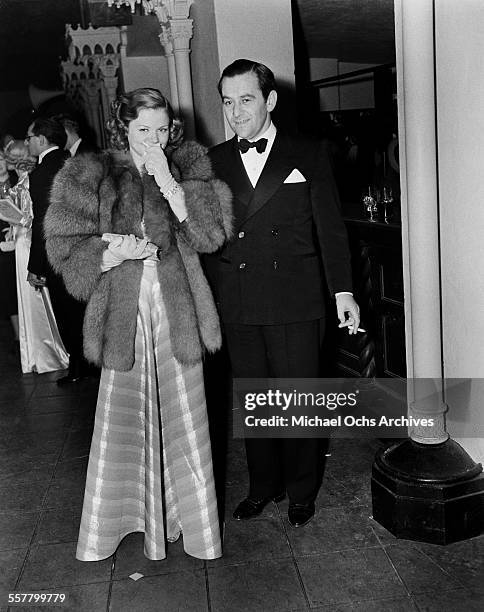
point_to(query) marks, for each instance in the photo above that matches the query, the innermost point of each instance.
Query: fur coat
(94, 194)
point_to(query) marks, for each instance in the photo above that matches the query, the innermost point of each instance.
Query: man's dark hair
(69, 123)
(265, 76)
(51, 129)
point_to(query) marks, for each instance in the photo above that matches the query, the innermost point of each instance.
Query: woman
(123, 229)
(41, 348)
(8, 295)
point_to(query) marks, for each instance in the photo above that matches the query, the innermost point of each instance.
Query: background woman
(41, 348)
(123, 229)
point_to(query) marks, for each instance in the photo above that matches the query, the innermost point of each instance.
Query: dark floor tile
(19, 461)
(52, 404)
(74, 469)
(52, 389)
(419, 573)
(77, 445)
(16, 392)
(350, 575)
(10, 565)
(254, 540)
(130, 558)
(22, 498)
(462, 560)
(36, 473)
(333, 529)
(261, 586)
(55, 565)
(182, 591)
(58, 525)
(83, 598)
(27, 423)
(65, 492)
(401, 604)
(16, 529)
(30, 444)
(451, 601)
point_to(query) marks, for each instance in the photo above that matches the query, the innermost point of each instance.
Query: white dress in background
(41, 347)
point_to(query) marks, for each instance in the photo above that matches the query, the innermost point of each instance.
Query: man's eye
(143, 129)
(227, 102)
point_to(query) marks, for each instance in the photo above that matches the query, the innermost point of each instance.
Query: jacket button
(274, 264)
(275, 232)
(242, 266)
(241, 234)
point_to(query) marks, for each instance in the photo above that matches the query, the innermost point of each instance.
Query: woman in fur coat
(124, 228)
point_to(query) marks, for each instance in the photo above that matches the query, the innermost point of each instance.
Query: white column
(167, 43)
(414, 37)
(181, 34)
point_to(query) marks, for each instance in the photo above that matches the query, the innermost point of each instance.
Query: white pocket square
(295, 177)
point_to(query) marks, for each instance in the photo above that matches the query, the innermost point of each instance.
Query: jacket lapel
(277, 167)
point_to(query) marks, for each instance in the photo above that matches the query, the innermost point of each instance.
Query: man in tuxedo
(46, 139)
(268, 279)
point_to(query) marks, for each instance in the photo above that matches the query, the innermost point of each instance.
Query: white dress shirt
(75, 146)
(44, 153)
(253, 161)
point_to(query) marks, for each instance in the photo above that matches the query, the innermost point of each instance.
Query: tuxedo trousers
(291, 350)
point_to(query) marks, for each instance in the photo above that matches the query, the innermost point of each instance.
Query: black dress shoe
(249, 507)
(64, 381)
(300, 514)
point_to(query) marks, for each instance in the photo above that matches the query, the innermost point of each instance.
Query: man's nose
(236, 109)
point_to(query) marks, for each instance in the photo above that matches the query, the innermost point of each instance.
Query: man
(75, 144)
(268, 278)
(46, 139)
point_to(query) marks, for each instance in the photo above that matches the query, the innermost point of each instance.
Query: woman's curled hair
(126, 108)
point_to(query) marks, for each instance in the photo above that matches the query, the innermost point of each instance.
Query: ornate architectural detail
(90, 75)
(163, 9)
(181, 33)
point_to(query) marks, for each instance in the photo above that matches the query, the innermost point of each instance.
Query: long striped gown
(150, 466)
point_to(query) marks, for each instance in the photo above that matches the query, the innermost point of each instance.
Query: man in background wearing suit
(75, 144)
(268, 279)
(46, 139)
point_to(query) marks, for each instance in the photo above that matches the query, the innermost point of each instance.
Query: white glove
(123, 247)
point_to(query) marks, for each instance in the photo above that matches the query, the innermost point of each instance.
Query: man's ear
(271, 101)
(42, 140)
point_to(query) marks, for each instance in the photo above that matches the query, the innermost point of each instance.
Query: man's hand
(345, 303)
(36, 281)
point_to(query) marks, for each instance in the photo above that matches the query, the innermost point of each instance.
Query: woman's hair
(18, 157)
(127, 107)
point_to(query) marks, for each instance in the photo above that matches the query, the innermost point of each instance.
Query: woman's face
(150, 128)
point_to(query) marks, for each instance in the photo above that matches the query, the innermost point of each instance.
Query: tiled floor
(341, 561)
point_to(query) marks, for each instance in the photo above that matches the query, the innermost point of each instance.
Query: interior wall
(460, 103)
(261, 31)
(205, 74)
(147, 71)
(358, 94)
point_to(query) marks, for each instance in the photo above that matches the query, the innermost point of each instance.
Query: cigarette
(360, 329)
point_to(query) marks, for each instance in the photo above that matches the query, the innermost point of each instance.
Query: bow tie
(260, 145)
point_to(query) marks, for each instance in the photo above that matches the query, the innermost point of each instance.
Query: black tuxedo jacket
(271, 272)
(40, 182)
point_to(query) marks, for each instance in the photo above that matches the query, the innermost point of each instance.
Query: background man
(46, 139)
(268, 279)
(75, 144)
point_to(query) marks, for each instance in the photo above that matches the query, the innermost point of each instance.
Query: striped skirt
(150, 466)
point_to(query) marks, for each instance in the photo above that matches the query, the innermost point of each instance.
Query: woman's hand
(157, 166)
(124, 247)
